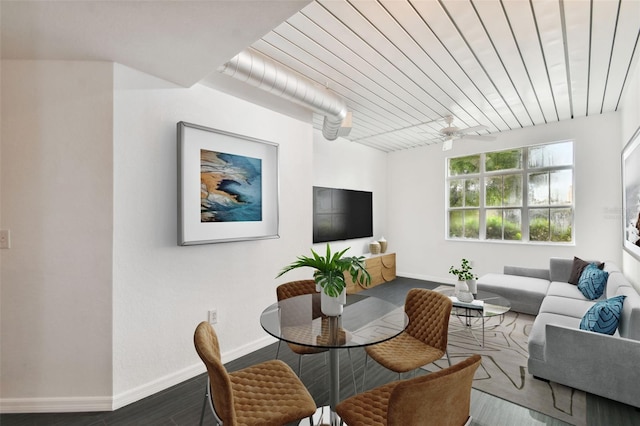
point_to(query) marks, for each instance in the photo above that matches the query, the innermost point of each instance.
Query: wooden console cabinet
(381, 267)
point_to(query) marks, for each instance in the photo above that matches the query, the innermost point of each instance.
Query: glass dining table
(365, 321)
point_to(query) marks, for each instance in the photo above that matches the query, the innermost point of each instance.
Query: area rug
(504, 373)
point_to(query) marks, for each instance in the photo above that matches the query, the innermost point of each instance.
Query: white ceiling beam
(549, 25)
(577, 24)
(603, 27)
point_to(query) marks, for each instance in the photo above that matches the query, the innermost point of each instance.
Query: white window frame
(524, 208)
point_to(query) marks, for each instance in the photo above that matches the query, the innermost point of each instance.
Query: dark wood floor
(181, 404)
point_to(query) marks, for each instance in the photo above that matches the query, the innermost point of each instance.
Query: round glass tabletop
(492, 304)
(364, 321)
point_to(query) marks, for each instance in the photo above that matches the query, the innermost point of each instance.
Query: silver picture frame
(228, 186)
(631, 195)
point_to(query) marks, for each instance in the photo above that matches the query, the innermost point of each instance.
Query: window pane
(557, 154)
(513, 224)
(472, 193)
(494, 225)
(504, 224)
(456, 224)
(539, 225)
(503, 160)
(456, 193)
(561, 187)
(464, 223)
(493, 191)
(512, 190)
(561, 225)
(538, 189)
(504, 190)
(472, 224)
(464, 165)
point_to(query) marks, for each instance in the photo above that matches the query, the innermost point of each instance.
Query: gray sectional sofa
(559, 351)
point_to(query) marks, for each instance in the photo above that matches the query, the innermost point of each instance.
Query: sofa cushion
(574, 308)
(577, 267)
(524, 293)
(543, 274)
(592, 281)
(570, 291)
(629, 326)
(560, 269)
(610, 267)
(614, 282)
(603, 317)
(538, 330)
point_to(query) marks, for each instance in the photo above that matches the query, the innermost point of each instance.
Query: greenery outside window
(487, 198)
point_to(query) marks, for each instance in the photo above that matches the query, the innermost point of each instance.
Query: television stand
(381, 267)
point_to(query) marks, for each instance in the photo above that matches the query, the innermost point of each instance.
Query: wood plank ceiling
(402, 66)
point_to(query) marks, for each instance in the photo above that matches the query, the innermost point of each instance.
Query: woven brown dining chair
(299, 288)
(442, 398)
(265, 394)
(422, 342)
(292, 289)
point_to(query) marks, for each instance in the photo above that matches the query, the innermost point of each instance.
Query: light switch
(5, 239)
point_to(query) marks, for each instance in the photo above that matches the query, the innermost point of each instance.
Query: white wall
(56, 319)
(162, 290)
(417, 195)
(348, 165)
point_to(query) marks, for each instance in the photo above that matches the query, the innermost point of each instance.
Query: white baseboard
(173, 379)
(136, 394)
(111, 403)
(439, 280)
(55, 405)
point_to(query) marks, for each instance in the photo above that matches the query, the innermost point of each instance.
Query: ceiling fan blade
(473, 129)
(479, 137)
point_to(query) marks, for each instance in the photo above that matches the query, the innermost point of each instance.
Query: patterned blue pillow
(592, 281)
(603, 317)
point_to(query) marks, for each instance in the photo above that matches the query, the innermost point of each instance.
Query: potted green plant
(465, 278)
(329, 275)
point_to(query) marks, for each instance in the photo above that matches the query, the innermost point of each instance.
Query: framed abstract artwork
(227, 186)
(631, 195)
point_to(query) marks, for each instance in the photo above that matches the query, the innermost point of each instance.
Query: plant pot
(332, 306)
(462, 292)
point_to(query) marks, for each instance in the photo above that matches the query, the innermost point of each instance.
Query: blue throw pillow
(603, 317)
(592, 281)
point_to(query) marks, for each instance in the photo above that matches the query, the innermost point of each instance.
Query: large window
(523, 194)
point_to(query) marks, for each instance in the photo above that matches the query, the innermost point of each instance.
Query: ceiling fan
(452, 132)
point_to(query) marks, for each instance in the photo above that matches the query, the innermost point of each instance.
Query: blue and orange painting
(230, 187)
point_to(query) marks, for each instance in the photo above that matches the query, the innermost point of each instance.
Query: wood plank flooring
(181, 404)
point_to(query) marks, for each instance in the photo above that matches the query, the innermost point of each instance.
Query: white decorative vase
(332, 306)
(383, 245)
(374, 247)
(462, 292)
(473, 286)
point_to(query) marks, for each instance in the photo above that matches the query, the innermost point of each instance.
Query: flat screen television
(341, 214)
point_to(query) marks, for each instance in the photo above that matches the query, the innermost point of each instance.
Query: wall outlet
(213, 316)
(5, 239)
